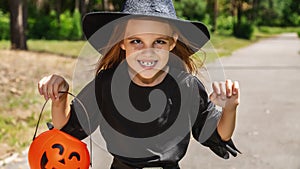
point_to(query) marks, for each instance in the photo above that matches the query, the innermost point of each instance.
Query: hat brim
(195, 32)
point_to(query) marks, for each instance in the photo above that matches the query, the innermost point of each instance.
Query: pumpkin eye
(44, 160)
(60, 147)
(74, 154)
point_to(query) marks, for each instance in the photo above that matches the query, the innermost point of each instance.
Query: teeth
(149, 64)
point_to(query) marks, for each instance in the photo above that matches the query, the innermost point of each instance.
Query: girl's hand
(226, 94)
(49, 87)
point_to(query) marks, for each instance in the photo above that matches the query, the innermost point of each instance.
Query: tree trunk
(84, 4)
(58, 10)
(239, 6)
(215, 15)
(77, 5)
(271, 4)
(255, 10)
(18, 23)
(105, 5)
(212, 10)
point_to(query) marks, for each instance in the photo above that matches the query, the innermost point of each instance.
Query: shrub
(43, 27)
(4, 26)
(65, 26)
(49, 27)
(76, 32)
(244, 30)
(225, 24)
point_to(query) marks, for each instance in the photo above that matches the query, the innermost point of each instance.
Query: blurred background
(22, 20)
(41, 37)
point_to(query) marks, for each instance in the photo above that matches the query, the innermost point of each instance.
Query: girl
(147, 100)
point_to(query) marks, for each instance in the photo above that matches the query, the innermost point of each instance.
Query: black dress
(137, 134)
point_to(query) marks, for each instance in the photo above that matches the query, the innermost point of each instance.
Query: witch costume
(136, 142)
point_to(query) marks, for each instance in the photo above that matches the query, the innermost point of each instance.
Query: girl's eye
(136, 41)
(160, 42)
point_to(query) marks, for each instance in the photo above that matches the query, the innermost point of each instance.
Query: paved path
(268, 124)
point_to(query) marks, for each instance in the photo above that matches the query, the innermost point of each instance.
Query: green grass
(15, 131)
(64, 48)
(4, 44)
(265, 31)
(224, 44)
(10, 128)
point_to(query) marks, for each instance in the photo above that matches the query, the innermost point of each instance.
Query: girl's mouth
(147, 64)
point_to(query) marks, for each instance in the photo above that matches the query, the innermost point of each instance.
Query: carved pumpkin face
(54, 149)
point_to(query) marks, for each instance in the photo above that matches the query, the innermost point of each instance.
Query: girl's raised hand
(49, 87)
(226, 94)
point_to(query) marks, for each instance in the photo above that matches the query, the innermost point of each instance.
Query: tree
(105, 5)
(190, 9)
(18, 23)
(291, 13)
(84, 4)
(212, 9)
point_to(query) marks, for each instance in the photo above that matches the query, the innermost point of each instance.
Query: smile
(147, 63)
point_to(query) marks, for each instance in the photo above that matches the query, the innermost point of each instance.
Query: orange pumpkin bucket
(57, 149)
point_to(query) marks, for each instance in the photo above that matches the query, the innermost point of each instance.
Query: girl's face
(147, 44)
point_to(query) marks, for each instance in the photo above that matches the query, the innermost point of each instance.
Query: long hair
(113, 55)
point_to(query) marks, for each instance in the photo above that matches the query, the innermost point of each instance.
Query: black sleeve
(220, 147)
(204, 129)
(73, 126)
(85, 113)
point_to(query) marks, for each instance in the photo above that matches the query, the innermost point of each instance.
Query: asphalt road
(268, 122)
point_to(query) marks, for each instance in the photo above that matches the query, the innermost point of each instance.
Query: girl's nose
(148, 52)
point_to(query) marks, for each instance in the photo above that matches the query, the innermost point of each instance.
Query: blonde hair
(113, 55)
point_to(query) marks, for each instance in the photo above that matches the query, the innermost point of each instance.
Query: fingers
(225, 94)
(50, 86)
(229, 88)
(43, 88)
(219, 90)
(216, 88)
(225, 89)
(236, 88)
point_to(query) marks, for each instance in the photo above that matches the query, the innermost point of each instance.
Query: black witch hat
(196, 33)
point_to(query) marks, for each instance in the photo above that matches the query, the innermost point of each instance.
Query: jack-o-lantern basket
(55, 149)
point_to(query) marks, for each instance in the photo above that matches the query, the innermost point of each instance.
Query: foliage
(76, 32)
(42, 26)
(243, 30)
(4, 6)
(277, 30)
(61, 20)
(278, 13)
(49, 27)
(225, 24)
(291, 13)
(183, 9)
(4, 26)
